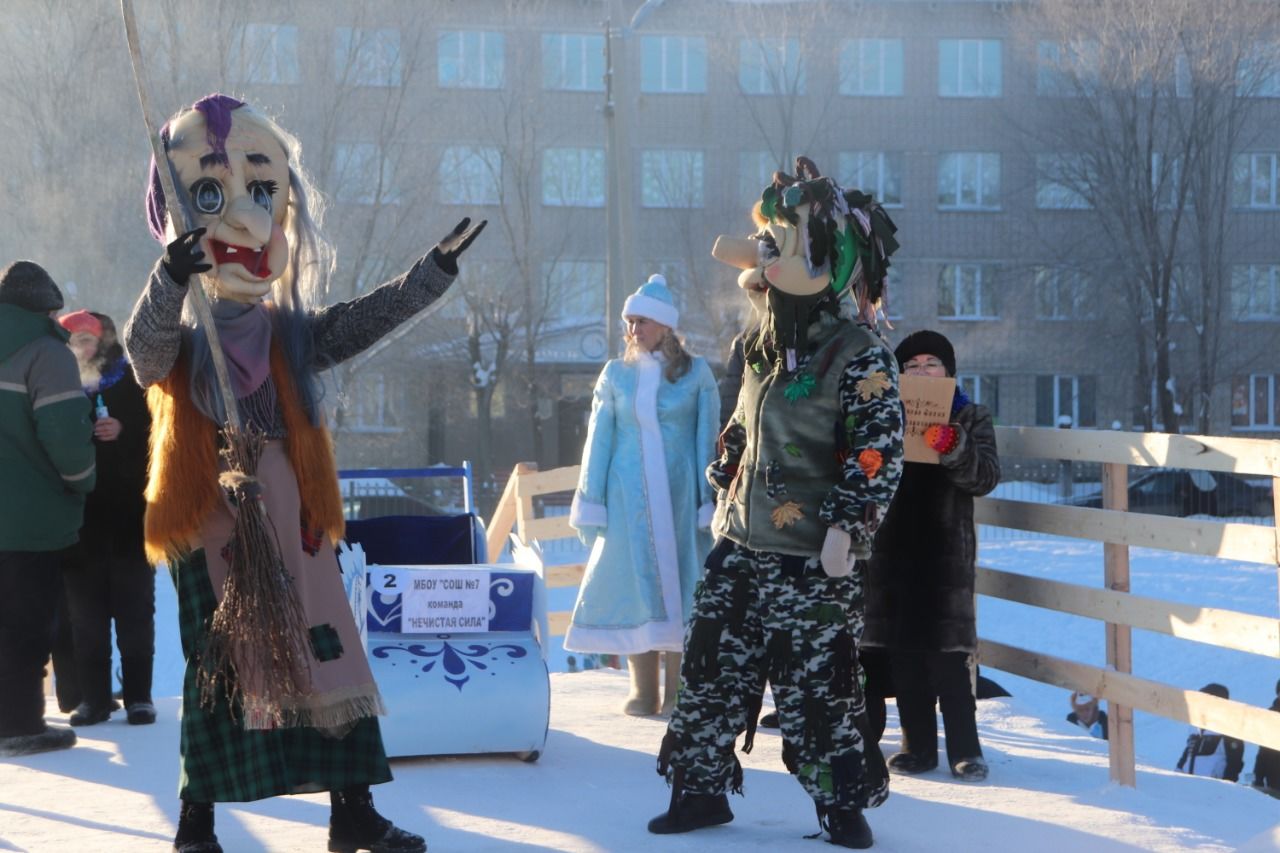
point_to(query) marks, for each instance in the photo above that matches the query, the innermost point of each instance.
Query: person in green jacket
(46, 469)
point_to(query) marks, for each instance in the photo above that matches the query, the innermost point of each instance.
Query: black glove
(183, 257)
(455, 243)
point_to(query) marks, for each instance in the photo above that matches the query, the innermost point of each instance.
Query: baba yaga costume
(264, 261)
(652, 433)
(921, 626)
(807, 467)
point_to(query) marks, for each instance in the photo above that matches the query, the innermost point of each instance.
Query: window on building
(875, 172)
(1255, 291)
(770, 66)
(1052, 80)
(1255, 401)
(671, 178)
(375, 403)
(1166, 175)
(755, 172)
(573, 62)
(871, 67)
(471, 174)
(673, 64)
(676, 272)
(1063, 294)
(469, 59)
(363, 174)
(1182, 76)
(1061, 181)
(573, 177)
(982, 389)
(1254, 180)
(969, 68)
(969, 181)
(366, 57)
(1258, 75)
(1066, 401)
(967, 292)
(264, 53)
(576, 289)
(894, 296)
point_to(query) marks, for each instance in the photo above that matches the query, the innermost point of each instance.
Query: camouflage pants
(761, 615)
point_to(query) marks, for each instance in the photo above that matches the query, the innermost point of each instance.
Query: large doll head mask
(234, 166)
(816, 243)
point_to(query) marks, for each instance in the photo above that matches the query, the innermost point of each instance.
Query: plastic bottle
(100, 411)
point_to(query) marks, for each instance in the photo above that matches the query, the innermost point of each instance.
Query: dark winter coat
(114, 510)
(920, 577)
(46, 457)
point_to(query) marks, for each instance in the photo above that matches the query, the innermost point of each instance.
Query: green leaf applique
(800, 386)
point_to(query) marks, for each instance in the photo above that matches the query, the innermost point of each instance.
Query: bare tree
(1135, 135)
(773, 46)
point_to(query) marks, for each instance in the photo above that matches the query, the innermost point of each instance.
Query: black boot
(848, 828)
(692, 811)
(195, 829)
(355, 825)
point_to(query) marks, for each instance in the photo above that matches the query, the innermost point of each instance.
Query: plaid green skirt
(224, 762)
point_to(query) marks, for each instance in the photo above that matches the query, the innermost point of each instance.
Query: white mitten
(836, 561)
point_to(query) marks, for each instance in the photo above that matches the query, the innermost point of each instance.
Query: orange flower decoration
(870, 461)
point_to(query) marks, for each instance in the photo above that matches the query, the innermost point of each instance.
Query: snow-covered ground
(595, 787)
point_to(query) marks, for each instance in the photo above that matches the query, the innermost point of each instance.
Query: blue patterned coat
(642, 490)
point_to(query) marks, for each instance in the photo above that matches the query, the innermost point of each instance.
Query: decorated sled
(455, 643)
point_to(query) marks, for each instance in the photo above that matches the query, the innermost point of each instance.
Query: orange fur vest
(182, 474)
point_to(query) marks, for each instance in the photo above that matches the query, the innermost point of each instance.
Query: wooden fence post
(504, 514)
(1115, 558)
(524, 503)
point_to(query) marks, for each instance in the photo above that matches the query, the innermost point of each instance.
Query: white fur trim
(653, 457)
(587, 514)
(651, 636)
(706, 512)
(639, 305)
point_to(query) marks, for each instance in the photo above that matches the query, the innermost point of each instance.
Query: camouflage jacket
(814, 448)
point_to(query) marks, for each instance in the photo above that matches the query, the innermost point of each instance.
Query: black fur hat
(927, 342)
(26, 285)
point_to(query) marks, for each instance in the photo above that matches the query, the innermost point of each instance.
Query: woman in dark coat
(111, 579)
(920, 632)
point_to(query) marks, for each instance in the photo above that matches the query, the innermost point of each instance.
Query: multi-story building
(413, 117)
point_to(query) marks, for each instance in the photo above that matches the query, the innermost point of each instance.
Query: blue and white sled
(455, 643)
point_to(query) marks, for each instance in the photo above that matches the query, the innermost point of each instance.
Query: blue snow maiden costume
(641, 489)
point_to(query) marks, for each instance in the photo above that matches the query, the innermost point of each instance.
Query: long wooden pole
(179, 212)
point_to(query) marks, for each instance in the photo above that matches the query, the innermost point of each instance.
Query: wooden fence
(1113, 604)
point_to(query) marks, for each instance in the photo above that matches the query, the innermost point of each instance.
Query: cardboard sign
(442, 601)
(927, 401)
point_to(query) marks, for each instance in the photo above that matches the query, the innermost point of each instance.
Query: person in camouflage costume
(807, 467)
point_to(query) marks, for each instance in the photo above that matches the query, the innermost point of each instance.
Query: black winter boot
(195, 829)
(692, 811)
(355, 825)
(848, 828)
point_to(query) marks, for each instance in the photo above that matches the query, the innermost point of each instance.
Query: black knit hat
(1215, 689)
(926, 342)
(26, 285)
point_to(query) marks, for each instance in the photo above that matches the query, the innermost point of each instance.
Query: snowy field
(595, 787)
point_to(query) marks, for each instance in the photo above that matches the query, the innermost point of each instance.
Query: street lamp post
(619, 104)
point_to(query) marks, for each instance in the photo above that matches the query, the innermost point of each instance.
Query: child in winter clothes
(1086, 715)
(1209, 753)
(1266, 767)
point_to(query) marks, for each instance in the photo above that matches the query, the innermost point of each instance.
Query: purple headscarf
(216, 110)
